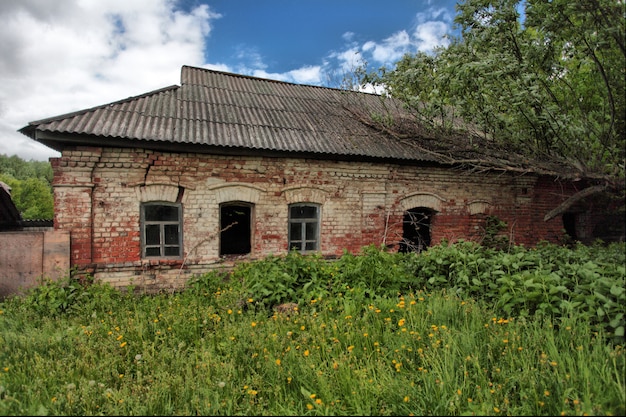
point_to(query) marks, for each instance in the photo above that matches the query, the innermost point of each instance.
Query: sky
(62, 56)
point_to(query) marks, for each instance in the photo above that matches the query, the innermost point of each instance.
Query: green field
(456, 330)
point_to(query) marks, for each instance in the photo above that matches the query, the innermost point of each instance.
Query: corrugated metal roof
(233, 111)
(213, 111)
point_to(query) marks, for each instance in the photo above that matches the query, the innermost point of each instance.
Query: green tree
(543, 77)
(31, 189)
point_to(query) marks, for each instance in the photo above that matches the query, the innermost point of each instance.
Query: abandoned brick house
(179, 180)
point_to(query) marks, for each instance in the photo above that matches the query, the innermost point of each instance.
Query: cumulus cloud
(65, 55)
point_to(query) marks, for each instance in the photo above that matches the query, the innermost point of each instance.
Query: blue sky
(66, 55)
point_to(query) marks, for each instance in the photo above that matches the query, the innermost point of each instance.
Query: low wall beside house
(27, 256)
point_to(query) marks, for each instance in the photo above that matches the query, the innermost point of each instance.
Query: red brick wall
(98, 192)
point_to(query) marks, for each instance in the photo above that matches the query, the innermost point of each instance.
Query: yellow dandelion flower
(6, 369)
(53, 399)
(401, 322)
(318, 401)
(121, 375)
(458, 392)
(553, 363)
(546, 393)
(253, 324)
(119, 337)
(278, 362)
(406, 399)
(309, 406)
(122, 344)
(230, 311)
(306, 352)
(496, 409)
(350, 348)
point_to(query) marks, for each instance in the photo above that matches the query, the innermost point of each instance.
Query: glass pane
(153, 234)
(295, 231)
(311, 245)
(171, 234)
(295, 245)
(303, 212)
(172, 251)
(311, 231)
(154, 212)
(153, 251)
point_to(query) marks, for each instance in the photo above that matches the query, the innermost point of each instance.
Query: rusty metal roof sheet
(225, 110)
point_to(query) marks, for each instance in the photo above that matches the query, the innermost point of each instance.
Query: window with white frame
(161, 230)
(304, 229)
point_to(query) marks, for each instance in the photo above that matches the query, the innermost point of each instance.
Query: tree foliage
(31, 188)
(544, 77)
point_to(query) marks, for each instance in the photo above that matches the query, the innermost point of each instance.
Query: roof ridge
(256, 78)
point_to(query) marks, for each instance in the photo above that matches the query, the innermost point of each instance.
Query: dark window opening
(304, 227)
(235, 226)
(416, 230)
(161, 230)
(569, 224)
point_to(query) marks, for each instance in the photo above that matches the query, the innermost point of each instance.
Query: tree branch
(573, 199)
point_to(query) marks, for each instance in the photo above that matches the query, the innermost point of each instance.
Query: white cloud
(65, 55)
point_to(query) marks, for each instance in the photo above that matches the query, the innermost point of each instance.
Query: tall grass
(218, 347)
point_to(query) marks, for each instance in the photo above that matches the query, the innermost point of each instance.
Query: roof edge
(83, 111)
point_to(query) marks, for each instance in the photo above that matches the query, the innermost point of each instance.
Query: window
(161, 230)
(416, 225)
(304, 222)
(235, 220)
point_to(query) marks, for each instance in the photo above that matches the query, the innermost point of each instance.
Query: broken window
(416, 230)
(161, 230)
(235, 229)
(304, 220)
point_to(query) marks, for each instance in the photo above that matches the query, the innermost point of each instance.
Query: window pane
(172, 251)
(153, 251)
(303, 212)
(171, 234)
(311, 245)
(153, 234)
(296, 245)
(155, 212)
(311, 231)
(295, 232)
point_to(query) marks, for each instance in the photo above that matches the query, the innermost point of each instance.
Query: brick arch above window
(157, 192)
(478, 207)
(429, 200)
(237, 192)
(305, 195)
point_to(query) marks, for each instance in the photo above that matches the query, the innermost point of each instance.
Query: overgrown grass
(457, 330)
